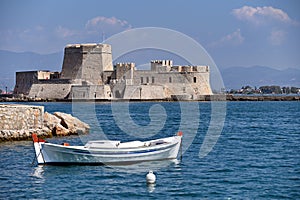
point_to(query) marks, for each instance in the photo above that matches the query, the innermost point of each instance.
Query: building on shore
(88, 73)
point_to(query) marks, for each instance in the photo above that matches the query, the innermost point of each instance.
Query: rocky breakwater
(18, 122)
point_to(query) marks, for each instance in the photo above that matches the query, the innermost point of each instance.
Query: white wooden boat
(107, 151)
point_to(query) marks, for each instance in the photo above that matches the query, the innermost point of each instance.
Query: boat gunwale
(110, 151)
(119, 154)
(175, 140)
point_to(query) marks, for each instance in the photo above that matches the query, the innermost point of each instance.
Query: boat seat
(132, 144)
(157, 142)
(102, 144)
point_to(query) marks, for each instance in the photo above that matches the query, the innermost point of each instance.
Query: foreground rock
(18, 122)
(72, 124)
(62, 124)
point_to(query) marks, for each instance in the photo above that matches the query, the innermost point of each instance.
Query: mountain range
(236, 77)
(233, 77)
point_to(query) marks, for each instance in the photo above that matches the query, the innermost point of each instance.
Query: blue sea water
(256, 156)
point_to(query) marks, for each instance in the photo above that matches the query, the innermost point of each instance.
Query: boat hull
(68, 155)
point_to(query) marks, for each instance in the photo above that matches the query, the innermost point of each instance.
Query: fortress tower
(86, 63)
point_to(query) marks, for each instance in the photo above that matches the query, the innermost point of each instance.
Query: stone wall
(194, 83)
(18, 122)
(72, 63)
(50, 91)
(102, 92)
(24, 81)
(14, 117)
(124, 70)
(145, 92)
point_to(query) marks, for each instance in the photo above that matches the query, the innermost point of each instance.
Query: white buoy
(150, 177)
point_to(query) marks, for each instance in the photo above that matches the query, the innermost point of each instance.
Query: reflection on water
(151, 187)
(38, 173)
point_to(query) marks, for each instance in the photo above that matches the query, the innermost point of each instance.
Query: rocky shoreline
(17, 126)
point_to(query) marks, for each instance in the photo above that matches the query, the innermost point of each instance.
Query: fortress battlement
(125, 64)
(162, 62)
(199, 68)
(88, 48)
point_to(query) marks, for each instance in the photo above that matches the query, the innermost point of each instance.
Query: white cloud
(277, 37)
(235, 38)
(100, 21)
(94, 28)
(260, 15)
(108, 25)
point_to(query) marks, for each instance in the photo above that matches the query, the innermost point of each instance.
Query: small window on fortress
(152, 79)
(142, 80)
(170, 79)
(195, 79)
(147, 79)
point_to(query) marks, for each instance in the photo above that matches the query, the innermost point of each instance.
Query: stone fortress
(88, 73)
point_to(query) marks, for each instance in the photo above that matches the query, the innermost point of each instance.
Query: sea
(230, 150)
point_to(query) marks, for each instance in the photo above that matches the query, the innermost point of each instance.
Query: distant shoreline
(262, 97)
(217, 97)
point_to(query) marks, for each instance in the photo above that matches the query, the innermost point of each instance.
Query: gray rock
(50, 121)
(59, 130)
(73, 124)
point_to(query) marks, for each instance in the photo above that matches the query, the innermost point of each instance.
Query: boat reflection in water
(38, 173)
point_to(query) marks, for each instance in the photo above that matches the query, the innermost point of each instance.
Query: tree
(286, 90)
(295, 90)
(270, 89)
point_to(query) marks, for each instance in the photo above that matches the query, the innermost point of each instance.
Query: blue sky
(234, 32)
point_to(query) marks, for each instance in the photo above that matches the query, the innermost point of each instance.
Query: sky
(233, 32)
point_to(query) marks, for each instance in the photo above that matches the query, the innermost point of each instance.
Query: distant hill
(236, 77)
(11, 62)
